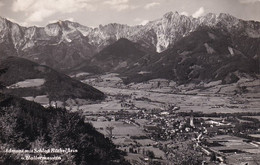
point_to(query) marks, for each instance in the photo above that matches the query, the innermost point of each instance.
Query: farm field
(255, 135)
(108, 105)
(212, 98)
(28, 83)
(237, 149)
(131, 135)
(206, 103)
(120, 128)
(43, 99)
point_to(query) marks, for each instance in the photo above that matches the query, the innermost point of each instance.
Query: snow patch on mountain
(157, 35)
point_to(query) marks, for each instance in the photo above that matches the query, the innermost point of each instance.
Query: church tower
(192, 119)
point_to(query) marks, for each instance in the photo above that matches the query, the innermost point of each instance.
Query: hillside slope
(114, 58)
(205, 55)
(22, 75)
(26, 125)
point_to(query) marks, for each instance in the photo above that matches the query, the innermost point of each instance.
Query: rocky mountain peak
(171, 14)
(4, 23)
(175, 18)
(226, 16)
(1, 19)
(84, 42)
(228, 19)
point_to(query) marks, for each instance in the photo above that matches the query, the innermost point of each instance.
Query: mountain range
(195, 43)
(116, 57)
(174, 47)
(207, 54)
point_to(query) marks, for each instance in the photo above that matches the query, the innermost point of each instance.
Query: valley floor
(149, 118)
(161, 122)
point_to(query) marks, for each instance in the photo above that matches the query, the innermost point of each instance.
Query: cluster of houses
(167, 124)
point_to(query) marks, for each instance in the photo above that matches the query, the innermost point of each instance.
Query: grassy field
(43, 100)
(210, 98)
(120, 128)
(232, 142)
(28, 83)
(255, 135)
(206, 103)
(111, 105)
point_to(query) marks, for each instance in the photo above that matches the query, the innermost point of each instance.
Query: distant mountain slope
(26, 125)
(115, 57)
(64, 44)
(20, 72)
(205, 55)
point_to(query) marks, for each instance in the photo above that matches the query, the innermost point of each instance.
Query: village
(166, 135)
(159, 122)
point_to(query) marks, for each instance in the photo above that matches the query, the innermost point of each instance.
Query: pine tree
(2, 71)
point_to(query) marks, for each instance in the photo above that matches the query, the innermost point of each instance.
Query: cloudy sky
(132, 12)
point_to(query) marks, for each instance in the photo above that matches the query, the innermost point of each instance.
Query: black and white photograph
(129, 82)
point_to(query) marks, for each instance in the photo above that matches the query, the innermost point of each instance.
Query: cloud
(116, 2)
(184, 13)
(15, 21)
(119, 5)
(70, 19)
(151, 5)
(141, 21)
(122, 7)
(56, 20)
(12, 20)
(1, 4)
(21, 5)
(199, 12)
(249, 1)
(144, 22)
(38, 10)
(38, 16)
(25, 24)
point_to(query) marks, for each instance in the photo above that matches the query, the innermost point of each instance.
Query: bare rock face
(65, 44)
(207, 54)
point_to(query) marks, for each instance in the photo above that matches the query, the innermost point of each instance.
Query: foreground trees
(27, 125)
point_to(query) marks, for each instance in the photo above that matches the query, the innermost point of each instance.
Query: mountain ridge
(205, 55)
(113, 58)
(60, 87)
(65, 44)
